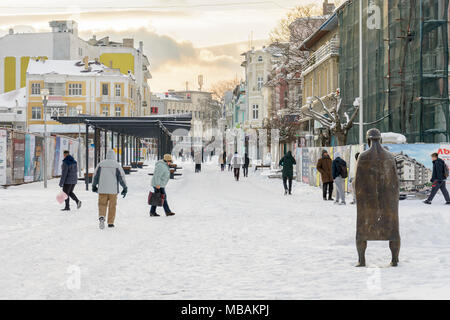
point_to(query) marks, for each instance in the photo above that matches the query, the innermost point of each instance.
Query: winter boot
(79, 205)
(427, 202)
(170, 214)
(448, 202)
(65, 209)
(101, 223)
(110, 225)
(330, 199)
(154, 214)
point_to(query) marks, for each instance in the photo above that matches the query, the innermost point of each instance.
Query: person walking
(438, 179)
(339, 173)
(229, 157)
(107, 177)
(236, 162)
(288, 162)
(198, 161)
(246, 165)
(222, 160)
(69, 179)
(160, 179)
(324, 167)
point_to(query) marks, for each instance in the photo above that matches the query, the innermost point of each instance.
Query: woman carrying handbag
(160, 179)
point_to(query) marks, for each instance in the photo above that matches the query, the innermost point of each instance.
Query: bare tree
(337, 123)
(219, 89)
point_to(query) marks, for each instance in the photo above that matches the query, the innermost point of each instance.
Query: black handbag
(156, 199)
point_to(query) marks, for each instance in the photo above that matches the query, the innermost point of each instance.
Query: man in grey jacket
(160, 179)
(69, 179)
(107, 177)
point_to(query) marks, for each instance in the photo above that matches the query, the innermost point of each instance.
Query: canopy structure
(129, 131)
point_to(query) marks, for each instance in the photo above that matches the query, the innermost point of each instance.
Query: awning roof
(142, 127)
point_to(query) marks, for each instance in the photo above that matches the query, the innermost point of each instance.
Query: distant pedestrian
(236, 162)
(288, 162)
(352, 181)
(69, 179)
(107, 177)
(222, 159)
(198, 161)
(439, 179)
(324, 167)
(161, 177)
(229, 157)
(246, 165)
(339, 172)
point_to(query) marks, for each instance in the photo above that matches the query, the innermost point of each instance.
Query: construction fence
(414, 165)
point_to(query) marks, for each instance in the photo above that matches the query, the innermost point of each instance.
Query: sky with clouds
(182, 38)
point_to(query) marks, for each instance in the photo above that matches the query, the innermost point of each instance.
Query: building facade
(13, 109)
(63, 43)
(97, 89)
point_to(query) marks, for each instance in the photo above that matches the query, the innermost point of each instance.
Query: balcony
(329, 49)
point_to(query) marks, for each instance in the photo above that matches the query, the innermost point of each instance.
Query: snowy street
(228, 240)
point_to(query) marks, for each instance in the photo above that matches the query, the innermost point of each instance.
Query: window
(105, 111)
(75, 89)
(131, 93)
(255, 111)
(36, 113)
(73, 111)
(118, 111)
(260, 59)
(35, 88)
(118, 89)
(105, 89)
(154, 110)
(260, 83)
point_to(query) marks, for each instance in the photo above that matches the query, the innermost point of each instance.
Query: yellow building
(320, 71)
(99, 90)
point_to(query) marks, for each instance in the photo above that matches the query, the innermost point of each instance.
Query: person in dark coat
(288, 162)
(339, 177)
(438, 179)
(69, 179)
(246, 164)
(324, 167)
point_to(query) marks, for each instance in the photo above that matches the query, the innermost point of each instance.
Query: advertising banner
(38, 163)
(29, 158)
(3, 154)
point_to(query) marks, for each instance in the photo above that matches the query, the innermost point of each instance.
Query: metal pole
(118, 146)
(122, 160)
(361, 93)
(45, 100)
(79, 150)
(106, 142)
(86, 176)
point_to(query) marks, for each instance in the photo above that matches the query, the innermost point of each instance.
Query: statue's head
(373, 135)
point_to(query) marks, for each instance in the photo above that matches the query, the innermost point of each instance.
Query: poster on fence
(3, 154)
(37, 161)
(29, 158)
(18, 157)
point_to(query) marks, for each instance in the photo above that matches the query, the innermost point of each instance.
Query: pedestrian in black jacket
(339, 173)
(288, 162)
(69, 179)
(246, 164)
(438, 179)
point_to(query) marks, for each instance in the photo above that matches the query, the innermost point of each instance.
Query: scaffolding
(405, 66)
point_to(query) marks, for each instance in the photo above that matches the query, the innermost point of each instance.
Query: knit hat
(167, 158)
(337, 155)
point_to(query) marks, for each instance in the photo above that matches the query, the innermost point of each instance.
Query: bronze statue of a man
(377, 198)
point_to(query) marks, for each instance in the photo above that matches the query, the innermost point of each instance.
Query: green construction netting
(405, 66)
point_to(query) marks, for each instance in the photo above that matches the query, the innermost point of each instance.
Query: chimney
(11, 31)
(86, 63)
(328, 8)
(128, 43)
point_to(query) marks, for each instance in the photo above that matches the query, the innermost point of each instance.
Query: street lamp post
(361, 87)
(309, 101)
(79, 111)
(44, 94)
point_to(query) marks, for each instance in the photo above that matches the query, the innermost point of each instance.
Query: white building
(13, 109)
(63, 43)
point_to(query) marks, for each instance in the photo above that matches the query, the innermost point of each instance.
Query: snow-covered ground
(229, 240)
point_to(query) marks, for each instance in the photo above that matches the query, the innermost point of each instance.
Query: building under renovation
(405, 48)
